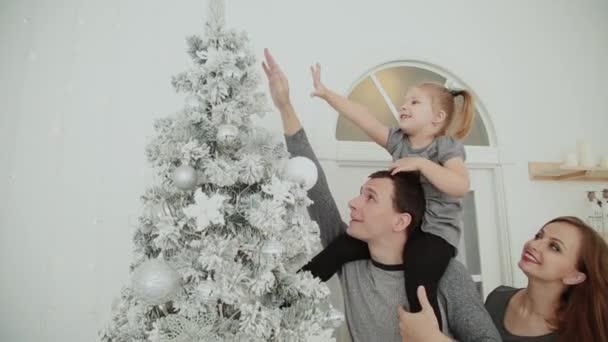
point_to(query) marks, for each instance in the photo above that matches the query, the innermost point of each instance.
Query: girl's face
(416, 115)
(553, 254)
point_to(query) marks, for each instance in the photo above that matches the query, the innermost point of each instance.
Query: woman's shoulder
(497, 303)
(505, 289)
(500, 296)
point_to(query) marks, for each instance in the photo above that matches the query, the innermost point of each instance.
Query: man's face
(372, 213)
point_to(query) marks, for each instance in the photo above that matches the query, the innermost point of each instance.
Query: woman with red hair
(566, 298)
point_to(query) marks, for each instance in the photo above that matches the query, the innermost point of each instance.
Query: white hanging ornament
(273, 248)
(227, 138)
(155, 282)
(185, 177)
(303, 171)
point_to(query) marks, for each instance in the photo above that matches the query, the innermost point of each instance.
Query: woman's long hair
(583, 311)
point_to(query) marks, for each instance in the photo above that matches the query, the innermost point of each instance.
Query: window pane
(478, 135)
(368, 95)
(395, 81)
(468, 249)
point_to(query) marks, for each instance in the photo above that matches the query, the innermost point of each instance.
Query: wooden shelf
(559, 172)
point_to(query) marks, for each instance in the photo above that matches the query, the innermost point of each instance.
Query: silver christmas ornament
(155, 282)
(184, 177)
(227, 138)
(272, 248)
(303, 171)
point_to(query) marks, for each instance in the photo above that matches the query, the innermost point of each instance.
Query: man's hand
(277, 81)
(319, 89)
(421, 326)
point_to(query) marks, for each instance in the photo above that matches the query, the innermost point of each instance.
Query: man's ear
(403, 222)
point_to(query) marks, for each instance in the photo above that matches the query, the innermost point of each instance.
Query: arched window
(383, 91)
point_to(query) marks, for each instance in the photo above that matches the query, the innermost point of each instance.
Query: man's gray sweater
(372, 292)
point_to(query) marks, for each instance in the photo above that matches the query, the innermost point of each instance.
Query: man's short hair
(408, 195)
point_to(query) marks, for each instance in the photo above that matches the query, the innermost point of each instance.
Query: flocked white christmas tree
(223, 232)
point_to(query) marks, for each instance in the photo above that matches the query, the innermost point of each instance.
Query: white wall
(81, 81)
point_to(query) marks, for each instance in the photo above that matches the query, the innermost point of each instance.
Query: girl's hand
(319, 88)
(420, 326)
(406, 164)
(277, 81)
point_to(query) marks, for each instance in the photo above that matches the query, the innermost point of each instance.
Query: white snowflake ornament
(279, 190)
(207, 210)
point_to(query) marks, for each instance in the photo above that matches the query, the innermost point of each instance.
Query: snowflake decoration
(207, 210)
(279, 190)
